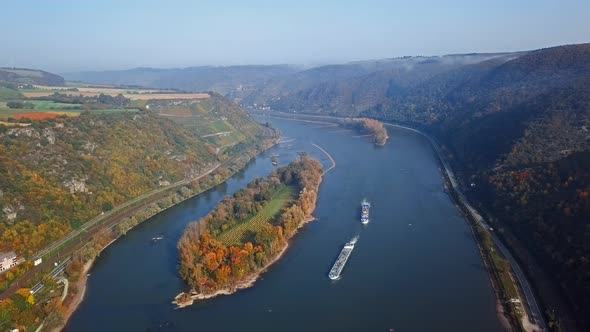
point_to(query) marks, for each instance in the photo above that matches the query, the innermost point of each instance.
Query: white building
(7, 260)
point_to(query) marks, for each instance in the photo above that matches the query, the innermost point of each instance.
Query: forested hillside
(515, 125)
(59, 173)
(21, 76)
(354, 87)
(519, 131)
(350, 89)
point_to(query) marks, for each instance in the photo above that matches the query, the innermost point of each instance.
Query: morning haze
(82, 35)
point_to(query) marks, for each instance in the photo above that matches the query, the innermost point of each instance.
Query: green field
(234, 235)
(41, 105)
(205, 124)
(112, 110)
(220, 125)
(37, 90)
(76, 85)
(225, 141)
(9, 94)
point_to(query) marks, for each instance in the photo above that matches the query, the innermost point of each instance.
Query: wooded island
(370, 127)
(228, 248)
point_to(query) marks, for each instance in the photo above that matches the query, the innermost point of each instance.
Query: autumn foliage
(208, 265)
(372, 127)
(19, 309)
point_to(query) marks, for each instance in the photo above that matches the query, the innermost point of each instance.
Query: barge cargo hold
(341, 260)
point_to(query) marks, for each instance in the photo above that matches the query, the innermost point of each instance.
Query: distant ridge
(29, 76)
(232, 81)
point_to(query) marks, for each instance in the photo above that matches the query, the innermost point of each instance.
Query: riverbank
(512, 289)
(475, 221)
(78, 297)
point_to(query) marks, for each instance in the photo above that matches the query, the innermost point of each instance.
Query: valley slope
(516, 130)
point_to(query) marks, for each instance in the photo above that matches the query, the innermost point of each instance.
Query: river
(415, 266)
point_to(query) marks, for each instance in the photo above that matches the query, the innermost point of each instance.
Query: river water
(415, 266)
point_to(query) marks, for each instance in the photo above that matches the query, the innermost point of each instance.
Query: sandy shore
(79, 296)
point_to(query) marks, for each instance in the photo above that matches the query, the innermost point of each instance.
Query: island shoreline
(250, 280)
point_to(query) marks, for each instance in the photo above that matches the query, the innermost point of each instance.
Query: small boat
(365, 206)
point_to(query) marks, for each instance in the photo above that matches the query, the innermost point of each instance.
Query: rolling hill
(350, 89)
(23, 76)
(231, 81)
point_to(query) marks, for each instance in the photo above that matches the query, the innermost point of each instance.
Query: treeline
(207, 264)
(370, 127)
(101, 99)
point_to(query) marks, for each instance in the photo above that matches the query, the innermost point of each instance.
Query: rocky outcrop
(49, 134)
(20, 132)
(76, 186)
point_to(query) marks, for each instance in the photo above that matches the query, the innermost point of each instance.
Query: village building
(8, 260)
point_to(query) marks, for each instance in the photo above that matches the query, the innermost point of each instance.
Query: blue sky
(62, 36)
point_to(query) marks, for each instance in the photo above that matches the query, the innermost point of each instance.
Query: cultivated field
(133, 94)
(234, 235)
(8, 94)
(51, 105)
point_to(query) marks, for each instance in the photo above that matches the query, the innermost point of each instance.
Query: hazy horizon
(62, 36)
